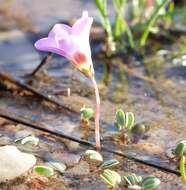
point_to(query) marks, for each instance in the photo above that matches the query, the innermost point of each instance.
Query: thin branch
(44, 61)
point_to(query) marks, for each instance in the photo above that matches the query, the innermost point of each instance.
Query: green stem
(121, 24)
(102, 8)
(151, 22)
(182, 169)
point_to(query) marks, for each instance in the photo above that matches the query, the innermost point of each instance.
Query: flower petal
(62, 30)
(82, 26)
(50, 45)
(72, 43)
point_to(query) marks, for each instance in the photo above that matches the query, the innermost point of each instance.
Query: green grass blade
(104, 17)
(129, 34)
(121, 25)
(151, 22)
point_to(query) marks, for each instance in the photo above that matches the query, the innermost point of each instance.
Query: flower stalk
(97, 114)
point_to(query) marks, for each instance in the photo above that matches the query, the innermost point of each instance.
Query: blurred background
(22, 22)
(35, 18)
(29, 15)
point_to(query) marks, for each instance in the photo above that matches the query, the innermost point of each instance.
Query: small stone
(14, 163)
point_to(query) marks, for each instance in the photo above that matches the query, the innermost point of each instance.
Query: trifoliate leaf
(58, 166)
(86, 113)
(94, 155)
(44, 170)
(150, 183)
(120, 119)
(109, 164)
(111, 177)
(132, 179)
(129, 119)
(28, 140)
(180, 149)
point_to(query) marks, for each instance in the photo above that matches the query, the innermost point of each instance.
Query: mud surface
(154, 89)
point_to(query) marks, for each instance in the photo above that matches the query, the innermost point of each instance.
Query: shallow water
(154, 90)
(159, 100)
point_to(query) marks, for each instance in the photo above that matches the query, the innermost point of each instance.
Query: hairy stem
(85, 124)
(182, 169)
(97, 115)
(123, 139)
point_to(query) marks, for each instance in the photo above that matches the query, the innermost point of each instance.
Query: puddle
(154, 90)
(162, 104)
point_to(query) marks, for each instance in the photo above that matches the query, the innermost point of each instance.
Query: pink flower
(72, 43)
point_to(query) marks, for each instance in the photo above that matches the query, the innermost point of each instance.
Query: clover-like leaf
(31, 139)
(150, 183)
(86, 113)
(109, 164)
(111, 177)
(58, 166)
(141, 128)
(180, 148)
(129, 119)
(132, 179)
(44, 170)
(120, 119)
(94, 155)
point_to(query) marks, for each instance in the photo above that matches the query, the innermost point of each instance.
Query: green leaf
(109, 164)
(101, 5)
(180, 148)
(141, 128)
(111, 177)
(86, 113)
(44, 170)
(151, 22)
(94, 155)
(105, 21)
(119, 5)
(120, 118)
(132, 179)
(118, 28)
(58, 166)
(150, 183)
(28, 140)
(129, 120)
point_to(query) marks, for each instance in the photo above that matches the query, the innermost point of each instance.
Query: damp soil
(157, 98)
(80, 173)
(154, 88)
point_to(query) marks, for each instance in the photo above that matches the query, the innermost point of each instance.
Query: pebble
(14, 163)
